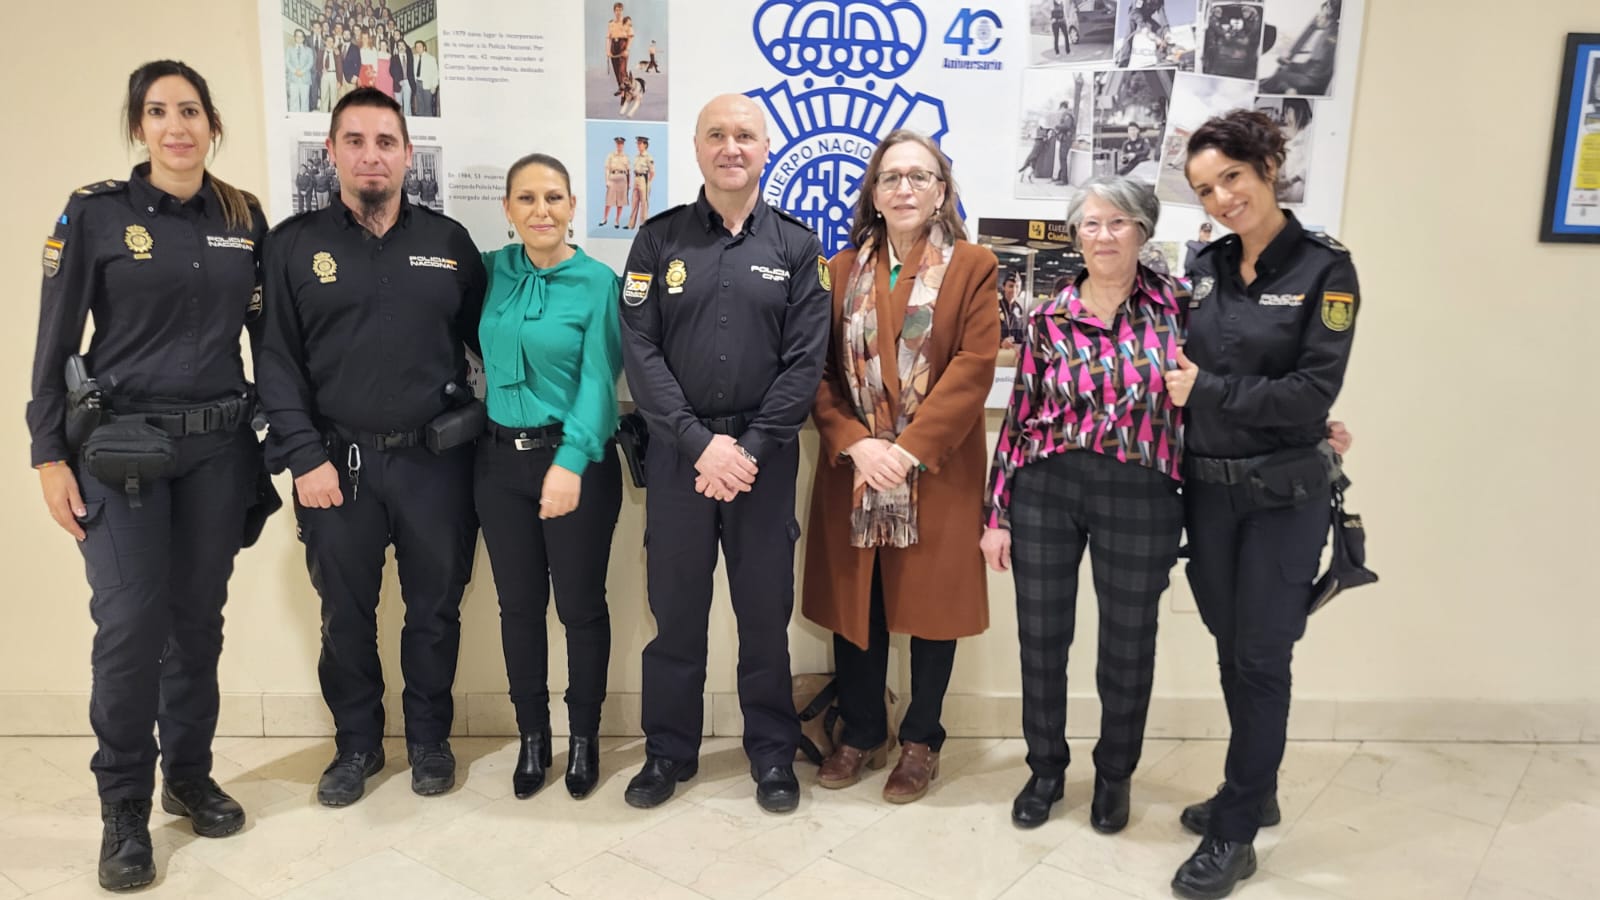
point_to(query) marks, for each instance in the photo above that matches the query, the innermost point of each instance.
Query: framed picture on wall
(1572, 194)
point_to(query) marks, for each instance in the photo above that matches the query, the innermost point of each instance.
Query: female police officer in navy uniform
(166, 262)
(1271, 320)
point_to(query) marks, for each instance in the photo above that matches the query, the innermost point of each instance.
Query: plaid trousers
(1131, 519)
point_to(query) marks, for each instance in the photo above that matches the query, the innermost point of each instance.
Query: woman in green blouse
(549, 486)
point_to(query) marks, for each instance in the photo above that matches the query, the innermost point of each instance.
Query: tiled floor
(1361, 821)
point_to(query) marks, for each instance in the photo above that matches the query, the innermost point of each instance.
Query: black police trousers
(421, 503)
(1251, 572)
(159, 575)
(757, 531)
(863, 675)
(529, 556)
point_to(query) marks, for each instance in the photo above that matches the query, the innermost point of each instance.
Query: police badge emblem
(52, 256)
(677, 274)
(823, 275)
(1338, 310)
(323, 266)
(1203, 287)
(139, 241)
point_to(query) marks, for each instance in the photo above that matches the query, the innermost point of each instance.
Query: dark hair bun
(1246, 135)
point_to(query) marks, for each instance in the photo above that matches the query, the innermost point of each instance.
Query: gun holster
(633, 436)
(454, 427)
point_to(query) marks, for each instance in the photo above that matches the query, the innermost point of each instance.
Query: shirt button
(188, 334)
(197, 265)
(149, 209)
(723, 357)
(384, 279)
(719, 395)
(724, 284)
(388, 317)
(724, 318)
(1233, 318)
(184, 367)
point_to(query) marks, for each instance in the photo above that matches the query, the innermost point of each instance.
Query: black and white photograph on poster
(424, 181)
(626, 164)
(625, 59)
(1230, 46)
(1037, 262)
(1130, 116)
(315, 178)
(1300, 47)
(1195, 98)
(1055, 137)
(1293, 115)
(332, 48)
(1070, 32)
(1155, 33)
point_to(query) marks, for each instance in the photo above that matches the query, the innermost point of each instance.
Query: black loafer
(1197, 817)
(655, 782)
(1215, 868)
(777, 790)
(583, 764)
(1032, 806)
(1108, 813)
(433, 768)
(345, 779)
(533, 760)
(126, 860)
(213, 813)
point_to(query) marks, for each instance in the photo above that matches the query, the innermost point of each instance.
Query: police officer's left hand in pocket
(559, 495)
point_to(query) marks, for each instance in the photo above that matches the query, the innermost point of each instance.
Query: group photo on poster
(332, 49)
(1300, 47)
(625, 70)
(1155, 33)
(625, 162)
(316, 177)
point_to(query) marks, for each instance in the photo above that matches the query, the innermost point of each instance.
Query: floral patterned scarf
(889, 518)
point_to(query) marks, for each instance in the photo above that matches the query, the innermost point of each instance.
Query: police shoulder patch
(109, 186)
(53, 248)
(1338, 310)
(636, 287)
(822, 273)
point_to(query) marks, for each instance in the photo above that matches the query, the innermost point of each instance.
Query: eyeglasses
(1117, 227)
(920, 180)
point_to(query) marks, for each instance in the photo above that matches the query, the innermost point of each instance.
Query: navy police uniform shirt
(363, 331)
(1272, 354)
(717, 324)
(171, 287)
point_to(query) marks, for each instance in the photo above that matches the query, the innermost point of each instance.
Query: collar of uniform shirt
(151, 197)
(711, 219)
(1277, 250)
(1146, 284)
(348, 218)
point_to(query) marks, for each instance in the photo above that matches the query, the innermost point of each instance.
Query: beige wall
(1470, 395)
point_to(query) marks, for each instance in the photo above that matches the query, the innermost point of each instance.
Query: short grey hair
(1135, 198)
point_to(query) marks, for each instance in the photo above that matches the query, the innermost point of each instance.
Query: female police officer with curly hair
(166, 262)
(1271, 320)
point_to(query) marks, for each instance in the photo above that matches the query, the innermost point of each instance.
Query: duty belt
(226, 415)
(389, 440)
(1220, 471)
(547, 437)
(735, 424)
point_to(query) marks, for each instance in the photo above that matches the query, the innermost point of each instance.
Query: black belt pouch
(1288, 478)
(127, 453)
(458, 426)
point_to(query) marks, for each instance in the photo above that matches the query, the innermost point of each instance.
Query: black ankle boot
(1214, 869)
(532, 762)
(126, 860)
(583, 764)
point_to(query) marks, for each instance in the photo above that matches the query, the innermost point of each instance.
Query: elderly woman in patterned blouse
(1088, 457)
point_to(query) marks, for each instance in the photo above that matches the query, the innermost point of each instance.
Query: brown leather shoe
(843, 766)
(918, 765)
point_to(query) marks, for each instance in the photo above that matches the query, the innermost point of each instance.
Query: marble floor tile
(9, 889)
(1473, 781)
(610, 876)
(1547, 847)
(386, 873)
(827, 878)
(1566, 772)
(1368, 847)
(178, 875)
(1049, 881)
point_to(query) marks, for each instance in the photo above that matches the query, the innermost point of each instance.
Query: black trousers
(1060, 35)
(529, 556)
(1131, 520)
(757, 531)
(863, 674)
(421, 503)
(159, 576)
(1251, 571)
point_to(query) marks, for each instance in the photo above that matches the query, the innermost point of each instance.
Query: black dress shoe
(1197, 817)
(1032, 807)
(212, 811)
(1108, 813)
(655, 782)
(583, 764)
(532, 761)
(1216, 867)
(345, 779)
(433, 768)
(777, 790)
(126, 860)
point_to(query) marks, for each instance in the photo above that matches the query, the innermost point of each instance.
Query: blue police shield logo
(840, 57)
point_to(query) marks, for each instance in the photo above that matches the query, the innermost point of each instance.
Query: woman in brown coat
(896, 498)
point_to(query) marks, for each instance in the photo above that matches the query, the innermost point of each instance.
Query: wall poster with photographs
(1572, 194)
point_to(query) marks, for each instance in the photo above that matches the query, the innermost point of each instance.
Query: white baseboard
(965, 715)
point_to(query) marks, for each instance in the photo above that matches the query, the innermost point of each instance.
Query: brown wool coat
(935, 589)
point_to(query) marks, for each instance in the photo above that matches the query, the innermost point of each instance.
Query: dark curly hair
(1247, 135)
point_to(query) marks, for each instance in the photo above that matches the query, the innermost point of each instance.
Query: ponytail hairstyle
(237, 206)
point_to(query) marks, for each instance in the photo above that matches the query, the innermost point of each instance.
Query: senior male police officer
(725, 326)
(369, 304)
